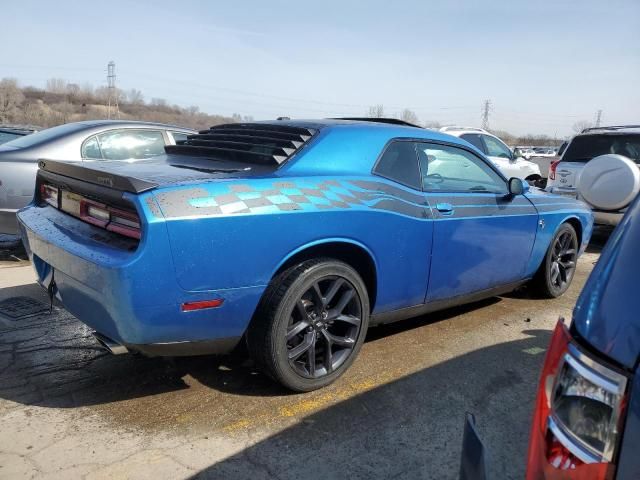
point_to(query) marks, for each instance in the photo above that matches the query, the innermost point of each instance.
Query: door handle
(444, 208)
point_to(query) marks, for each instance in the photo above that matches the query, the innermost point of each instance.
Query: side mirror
(517, 186)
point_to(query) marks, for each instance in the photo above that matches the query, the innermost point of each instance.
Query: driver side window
(452, 169)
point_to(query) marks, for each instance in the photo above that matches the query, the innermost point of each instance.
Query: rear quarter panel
(553, 211)
(231, 235)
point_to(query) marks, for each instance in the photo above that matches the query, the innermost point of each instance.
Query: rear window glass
(45, 135)
(585, 147)
(400, 163)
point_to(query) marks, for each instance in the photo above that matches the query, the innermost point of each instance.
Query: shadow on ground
(52, 360)
(411, 427)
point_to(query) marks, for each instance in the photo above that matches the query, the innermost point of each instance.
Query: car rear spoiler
(97, 176)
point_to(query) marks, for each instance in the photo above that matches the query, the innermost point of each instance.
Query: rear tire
(554, 276)
(310, 325)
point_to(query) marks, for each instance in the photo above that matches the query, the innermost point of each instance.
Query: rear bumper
(607, 218)
(127, 292)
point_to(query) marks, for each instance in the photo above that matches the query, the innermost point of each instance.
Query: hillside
(62, 102)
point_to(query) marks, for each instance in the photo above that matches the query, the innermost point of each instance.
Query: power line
(111, 86)
(598, 118)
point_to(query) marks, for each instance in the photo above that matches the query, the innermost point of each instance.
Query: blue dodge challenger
(294, 235)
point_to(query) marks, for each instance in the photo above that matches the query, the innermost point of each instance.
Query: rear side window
(399, 162)
(495, 148)
(474, 139)
(585, 147)
(91, 149)
(131, 144)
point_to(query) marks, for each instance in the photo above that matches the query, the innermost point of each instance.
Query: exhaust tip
(110, 345)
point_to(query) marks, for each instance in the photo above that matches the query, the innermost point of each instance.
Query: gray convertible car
(87, 141)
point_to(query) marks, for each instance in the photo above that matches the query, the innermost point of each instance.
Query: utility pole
(598, 118)
(111, 86)
(486, 109)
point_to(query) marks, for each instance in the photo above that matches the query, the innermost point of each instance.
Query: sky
(543, 64)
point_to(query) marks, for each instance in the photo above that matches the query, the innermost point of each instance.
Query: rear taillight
(113, 219)
(579, 407)
(124, 223)
(94, 213)
(49, 194)
(552, 169)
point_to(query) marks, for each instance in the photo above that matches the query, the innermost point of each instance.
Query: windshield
(585, 147)
(45, 135)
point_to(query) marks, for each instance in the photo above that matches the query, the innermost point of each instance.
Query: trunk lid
(606, 314)
(144, 175)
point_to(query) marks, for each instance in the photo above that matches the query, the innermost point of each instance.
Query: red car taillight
(552, 169)
(116, 220)
(124, 223)
(49, 194)
(578, 408)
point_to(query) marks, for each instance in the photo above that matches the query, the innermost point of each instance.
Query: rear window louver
(245, 142)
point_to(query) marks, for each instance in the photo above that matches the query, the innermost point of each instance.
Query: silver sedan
(87, 141)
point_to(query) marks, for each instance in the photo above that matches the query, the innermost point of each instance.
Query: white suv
(601, 167)
(498, 152)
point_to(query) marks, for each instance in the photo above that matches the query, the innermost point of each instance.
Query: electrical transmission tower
(486, 109)
(113, 93)
(598, 118)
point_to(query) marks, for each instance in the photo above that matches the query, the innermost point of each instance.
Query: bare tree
(376, 111)
(409, 116)
(135, 97)
(73, 91)
(10, 99)
(580, 125)
(432, 124)
(158, 102)
(57, 85)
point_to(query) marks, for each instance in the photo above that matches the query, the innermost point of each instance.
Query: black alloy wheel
(310, 324)
(323, 327)
(559, 265)
(563, 260)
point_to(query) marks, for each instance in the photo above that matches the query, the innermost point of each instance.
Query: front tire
(559, 265)
(311, 324)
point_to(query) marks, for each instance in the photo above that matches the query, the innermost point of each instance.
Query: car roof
(390, 128)
(129, 123)
(611, 130)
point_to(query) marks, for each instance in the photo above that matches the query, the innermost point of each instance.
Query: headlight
(586, 403)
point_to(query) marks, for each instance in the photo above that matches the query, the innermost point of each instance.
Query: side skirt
(424, 308)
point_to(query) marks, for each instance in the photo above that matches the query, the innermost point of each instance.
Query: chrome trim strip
(569, 444)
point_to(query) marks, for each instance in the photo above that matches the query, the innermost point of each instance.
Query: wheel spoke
(296, 328)
(555, 271)
(328, 354)
(308, 342)
(319, 299)
(335, 286)
(343, 302)
(302, 309)
(352, 319)
(571, 252)
(569, 264)
(311, 358)
(339, 341)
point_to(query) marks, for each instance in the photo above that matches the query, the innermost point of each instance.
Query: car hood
(607, 313)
